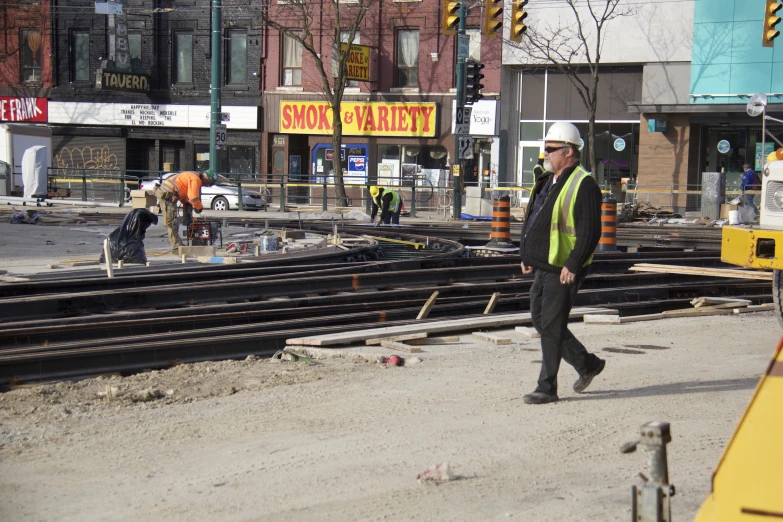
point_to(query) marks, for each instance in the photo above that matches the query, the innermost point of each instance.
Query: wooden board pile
(702, 306)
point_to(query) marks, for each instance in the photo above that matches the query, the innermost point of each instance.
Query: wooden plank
(533, 333)
(394, 345)
(704, 301)
(494, 339)
(406, 337)
(493, 301)
(601, 319)
(433, 340)
(769, 307)
(710, 272)
(425, 310)
(452, 325)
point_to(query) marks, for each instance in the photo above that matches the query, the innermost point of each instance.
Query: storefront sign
(483, 118)
(724, 146)
(619, 144)
(149, 115)
(357, 164)
(23, 109)
(657, 126)
(121, 81)
(358, 63)
(295, 164)
(360, 119)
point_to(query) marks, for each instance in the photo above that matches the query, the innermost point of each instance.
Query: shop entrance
(172, 155)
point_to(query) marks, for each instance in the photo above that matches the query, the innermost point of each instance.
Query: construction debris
(494, 339)
(734, 273)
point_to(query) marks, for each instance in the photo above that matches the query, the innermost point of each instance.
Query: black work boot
(584, 381)
(538, 397)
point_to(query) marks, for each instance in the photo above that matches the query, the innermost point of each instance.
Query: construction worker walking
(184, 187)
(390, 204)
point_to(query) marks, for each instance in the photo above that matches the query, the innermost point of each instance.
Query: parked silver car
(218, 197)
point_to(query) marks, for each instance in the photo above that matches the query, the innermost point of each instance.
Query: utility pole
(462, 55)
(214, 89)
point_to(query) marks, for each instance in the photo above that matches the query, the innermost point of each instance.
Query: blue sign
(619, 144)
(657, 126)
(724, 147)
(357, 164)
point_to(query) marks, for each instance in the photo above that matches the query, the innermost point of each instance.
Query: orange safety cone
(500, 236)
(608, 241)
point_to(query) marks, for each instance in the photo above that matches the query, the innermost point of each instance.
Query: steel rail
(265, 287)
(42, 362)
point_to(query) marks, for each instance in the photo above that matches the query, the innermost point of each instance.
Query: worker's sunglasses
(550, 150)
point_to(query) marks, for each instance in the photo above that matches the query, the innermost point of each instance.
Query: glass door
(528, 154)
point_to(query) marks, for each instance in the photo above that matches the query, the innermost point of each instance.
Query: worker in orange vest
(184, 187)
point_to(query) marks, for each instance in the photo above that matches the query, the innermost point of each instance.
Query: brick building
(412, 73)
(132, 91)
(25, 67)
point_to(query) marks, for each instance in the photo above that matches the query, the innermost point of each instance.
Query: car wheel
(220, 203)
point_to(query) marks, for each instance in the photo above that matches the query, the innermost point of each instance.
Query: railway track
(58, 327)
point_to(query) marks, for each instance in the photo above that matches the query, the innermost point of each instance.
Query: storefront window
(616, 151)
(354, 162)
(401, 164)
(235, 159)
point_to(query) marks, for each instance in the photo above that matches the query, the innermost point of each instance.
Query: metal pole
(214, 89)
(457, 204)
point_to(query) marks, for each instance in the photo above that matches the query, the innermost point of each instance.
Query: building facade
(397, 124)
(131, 92)
(644, 50)
(25, 64)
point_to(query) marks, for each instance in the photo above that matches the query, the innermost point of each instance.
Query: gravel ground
(269, 440)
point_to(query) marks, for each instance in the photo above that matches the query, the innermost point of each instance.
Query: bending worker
(184, 187)
(390, 203)
(561, 230)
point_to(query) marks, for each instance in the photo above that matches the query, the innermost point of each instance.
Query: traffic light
(493, 18)
(518, 15)
(473, 83)
(770, 21)
(450, 16)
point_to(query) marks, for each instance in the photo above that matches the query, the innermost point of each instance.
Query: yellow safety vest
(394, 205)
(562, 235)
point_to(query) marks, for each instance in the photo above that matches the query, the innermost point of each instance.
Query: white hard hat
(564, 132)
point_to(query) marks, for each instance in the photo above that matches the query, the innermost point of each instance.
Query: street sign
(463, 47)
(465, 148)
(462, 124)
(225, 116)
(220, 136)
(108, 8)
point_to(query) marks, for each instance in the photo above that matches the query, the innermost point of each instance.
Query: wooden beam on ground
(394, 345)
(425, 310)
(492, 302)
(709, 272)
(433, 340)
(533, 333)
(769, 307)
(687, 312)
(406, 337)
(434, 327)
(706, 301)
(494, 339)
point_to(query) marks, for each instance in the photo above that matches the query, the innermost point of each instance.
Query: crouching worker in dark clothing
(561, 230)
(390, 204)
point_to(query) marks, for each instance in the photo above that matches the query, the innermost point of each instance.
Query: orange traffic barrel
(500, 236)
(608, 241)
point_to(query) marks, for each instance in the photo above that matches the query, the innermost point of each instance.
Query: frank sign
(23, 109)
(360, 119)
(358, 63)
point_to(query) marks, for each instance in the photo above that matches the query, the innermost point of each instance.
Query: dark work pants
(550, 305)
(393, 218)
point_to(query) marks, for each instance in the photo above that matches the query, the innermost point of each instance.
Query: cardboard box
(724, 210)
(143, 199)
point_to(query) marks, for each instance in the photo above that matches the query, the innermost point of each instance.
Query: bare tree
(306, 20)
(573, 45)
